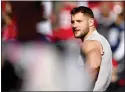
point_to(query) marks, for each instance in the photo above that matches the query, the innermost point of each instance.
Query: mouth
(75, 31)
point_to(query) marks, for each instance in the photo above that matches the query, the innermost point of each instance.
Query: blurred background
(38, 43)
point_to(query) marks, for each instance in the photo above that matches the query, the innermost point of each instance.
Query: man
(95, 50)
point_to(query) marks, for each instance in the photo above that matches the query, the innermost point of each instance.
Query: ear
(91, 22)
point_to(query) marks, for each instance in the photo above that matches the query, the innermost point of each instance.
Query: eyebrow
(72, 21)
(79, 20)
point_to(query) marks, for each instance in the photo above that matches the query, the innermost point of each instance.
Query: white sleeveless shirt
(105, 72)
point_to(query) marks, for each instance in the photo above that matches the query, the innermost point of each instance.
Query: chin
(77, 36)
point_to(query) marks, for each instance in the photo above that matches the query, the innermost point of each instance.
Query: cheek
(84, 26)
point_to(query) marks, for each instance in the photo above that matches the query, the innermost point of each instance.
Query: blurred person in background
(104, 16)
(24, 24)
(116, 39)
(96, 54)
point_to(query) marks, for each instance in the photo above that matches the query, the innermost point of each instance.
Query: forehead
(78, 16)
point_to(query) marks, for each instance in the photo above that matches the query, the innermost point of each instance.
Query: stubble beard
(82, 35)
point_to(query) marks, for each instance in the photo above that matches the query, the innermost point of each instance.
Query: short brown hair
(85, 10)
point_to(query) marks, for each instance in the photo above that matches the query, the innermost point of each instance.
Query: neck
(92, 29)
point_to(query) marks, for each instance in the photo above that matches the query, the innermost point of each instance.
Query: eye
(72, 22)
(79, 21)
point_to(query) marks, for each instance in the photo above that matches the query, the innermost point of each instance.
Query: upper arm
(92, 52)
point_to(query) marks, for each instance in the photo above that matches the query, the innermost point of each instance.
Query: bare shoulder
(90, 45)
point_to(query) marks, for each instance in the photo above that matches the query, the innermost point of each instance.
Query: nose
(74, 25)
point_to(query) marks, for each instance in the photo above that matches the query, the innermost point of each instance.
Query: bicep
(93, 58)
(92, 52)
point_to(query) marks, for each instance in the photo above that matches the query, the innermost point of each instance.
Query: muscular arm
(92, 51)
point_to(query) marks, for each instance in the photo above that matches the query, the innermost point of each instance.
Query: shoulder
(90, 45)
